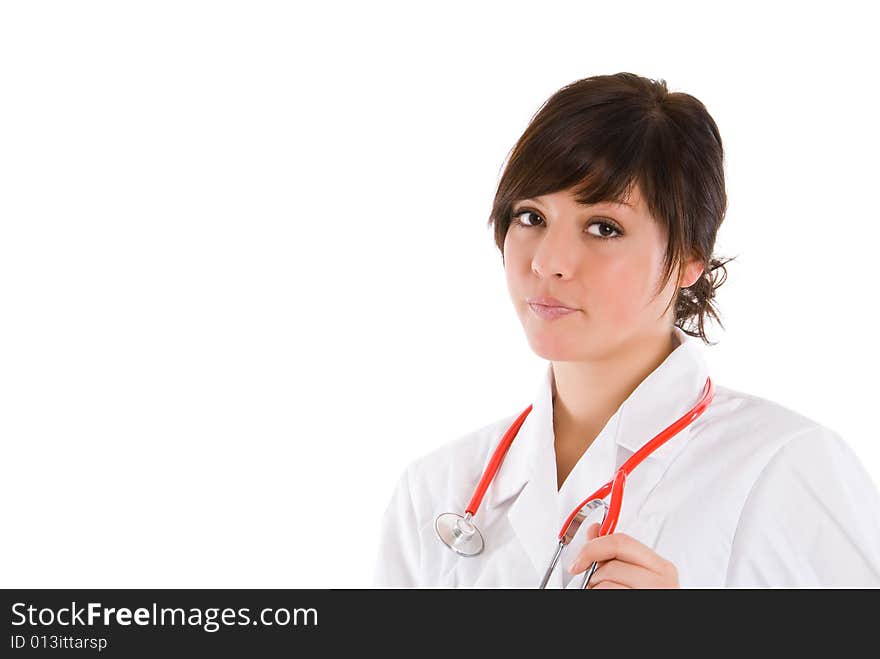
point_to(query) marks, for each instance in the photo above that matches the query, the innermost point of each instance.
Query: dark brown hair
(608, 133)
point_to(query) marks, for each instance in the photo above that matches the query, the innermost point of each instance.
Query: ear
(691, 271)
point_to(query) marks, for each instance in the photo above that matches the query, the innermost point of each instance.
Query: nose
(555, 254)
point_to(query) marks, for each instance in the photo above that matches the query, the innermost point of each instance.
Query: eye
(519, 214)
(606, 230)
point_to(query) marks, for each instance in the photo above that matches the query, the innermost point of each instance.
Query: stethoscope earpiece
(459, 533)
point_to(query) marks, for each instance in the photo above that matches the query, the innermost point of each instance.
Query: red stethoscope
(463, 537)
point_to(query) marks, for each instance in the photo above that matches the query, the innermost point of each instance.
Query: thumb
(593, 531)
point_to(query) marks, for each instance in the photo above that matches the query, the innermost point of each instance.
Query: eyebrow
(609, 203)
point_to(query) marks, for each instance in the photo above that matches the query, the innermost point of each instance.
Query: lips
(550, 313)
(547, 301)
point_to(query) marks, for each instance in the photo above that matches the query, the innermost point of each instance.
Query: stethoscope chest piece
(459, 533)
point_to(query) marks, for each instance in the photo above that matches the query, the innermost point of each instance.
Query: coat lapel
(528, 472)
(664, 396)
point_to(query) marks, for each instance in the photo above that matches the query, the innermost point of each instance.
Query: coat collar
(529, 468)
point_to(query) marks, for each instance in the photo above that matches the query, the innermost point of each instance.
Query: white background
(246, 277)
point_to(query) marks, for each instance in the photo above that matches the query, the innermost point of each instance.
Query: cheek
(516, 262)
(624, 284)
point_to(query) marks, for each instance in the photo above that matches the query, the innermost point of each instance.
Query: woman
(606, 217)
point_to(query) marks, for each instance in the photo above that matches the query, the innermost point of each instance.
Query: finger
(631, 576)
(593, 531)
(620, 546)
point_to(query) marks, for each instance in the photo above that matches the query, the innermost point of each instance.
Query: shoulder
(446, 475)
(803, 509)
(468, 451)
(749, 426)
(809, 510)
(744, 409)
(795, 465)
(744, 439)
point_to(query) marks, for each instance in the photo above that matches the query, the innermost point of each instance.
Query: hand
(624, 562)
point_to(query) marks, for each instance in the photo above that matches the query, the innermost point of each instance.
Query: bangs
(599, 160)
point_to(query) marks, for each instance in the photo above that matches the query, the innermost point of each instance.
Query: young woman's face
(604, 261)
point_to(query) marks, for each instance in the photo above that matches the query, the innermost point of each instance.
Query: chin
(555, 350)
(559, 345)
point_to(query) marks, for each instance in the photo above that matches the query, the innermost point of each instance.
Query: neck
(587, 394)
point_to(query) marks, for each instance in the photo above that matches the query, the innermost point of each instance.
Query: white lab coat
(750, 494)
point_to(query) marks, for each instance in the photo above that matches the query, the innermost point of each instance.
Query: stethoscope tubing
(495, 462)
(615, 485)
(454, 529)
